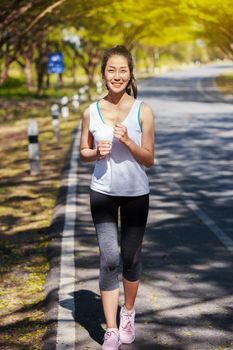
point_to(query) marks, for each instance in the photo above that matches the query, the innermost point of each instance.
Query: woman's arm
(144, 154)
(87, 153)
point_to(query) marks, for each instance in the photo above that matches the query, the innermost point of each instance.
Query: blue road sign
(55, 63)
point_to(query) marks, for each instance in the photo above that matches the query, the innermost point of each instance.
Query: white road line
(66, 324)
(219, 233)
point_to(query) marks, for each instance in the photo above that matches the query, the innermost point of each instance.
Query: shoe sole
(128, 342)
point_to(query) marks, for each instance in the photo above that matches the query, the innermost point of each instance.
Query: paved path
(185, 298)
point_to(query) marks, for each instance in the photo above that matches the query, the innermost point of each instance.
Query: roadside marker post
(55, 120)
(65, 107)
(82, 92)
(75, 102)
(99, 87)
(33, 148)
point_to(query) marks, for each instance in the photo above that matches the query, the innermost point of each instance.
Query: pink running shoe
(127, 328)
(111, 340)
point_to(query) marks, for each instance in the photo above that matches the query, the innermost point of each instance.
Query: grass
(15, 89)
(26, 208)
(225, 82)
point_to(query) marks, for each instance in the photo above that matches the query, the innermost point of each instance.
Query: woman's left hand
(120, 132)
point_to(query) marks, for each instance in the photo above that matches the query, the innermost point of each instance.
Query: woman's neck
(116, 98)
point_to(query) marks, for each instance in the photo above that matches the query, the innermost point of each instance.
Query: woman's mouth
(116, 84)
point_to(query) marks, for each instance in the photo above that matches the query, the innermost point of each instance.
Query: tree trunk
(90, 71)
(47, 80)
(5, 69)
(39, 82)
(60, 79)
(28, 71)
(73, 69)
(91, 77)
(41, 68)
(4, 73)
(155, 58)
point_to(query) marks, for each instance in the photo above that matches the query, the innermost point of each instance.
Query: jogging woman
(118, 133)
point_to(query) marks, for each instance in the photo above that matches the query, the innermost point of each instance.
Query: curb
(54, 256)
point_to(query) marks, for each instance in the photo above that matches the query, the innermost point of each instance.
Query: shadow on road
(185, 296)
(186, 280)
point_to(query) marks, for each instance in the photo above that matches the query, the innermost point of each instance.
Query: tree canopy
(30, 27)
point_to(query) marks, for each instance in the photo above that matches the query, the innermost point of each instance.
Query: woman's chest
(106, 133)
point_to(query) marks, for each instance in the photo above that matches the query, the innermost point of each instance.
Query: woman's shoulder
(146, 112)
(145, 107)
(87, 111)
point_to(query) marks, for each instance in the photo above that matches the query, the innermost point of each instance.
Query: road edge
(54, 255)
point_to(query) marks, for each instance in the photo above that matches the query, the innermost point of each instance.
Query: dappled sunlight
(50, 49)
(26, 208)
(185, 297)
(186, 284)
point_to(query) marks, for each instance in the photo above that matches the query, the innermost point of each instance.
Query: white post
(75, 102)
(86, 87)
(82, 91)
(33, 147)
(64, 107)
(99, 87)
(55, 120)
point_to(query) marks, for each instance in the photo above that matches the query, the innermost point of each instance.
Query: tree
(213, 23)
(19, 21)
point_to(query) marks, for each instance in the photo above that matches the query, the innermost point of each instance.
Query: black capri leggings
(133, 212)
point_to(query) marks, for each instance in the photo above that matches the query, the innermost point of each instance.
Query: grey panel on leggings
(107, 235)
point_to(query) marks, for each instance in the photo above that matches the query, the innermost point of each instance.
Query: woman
(118, 133)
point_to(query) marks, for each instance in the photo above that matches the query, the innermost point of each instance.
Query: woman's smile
(117, 84)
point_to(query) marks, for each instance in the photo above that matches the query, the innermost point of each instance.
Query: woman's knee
(130, 256)
(132, 272)
(131, 264)
(109, 263)
(109, 273)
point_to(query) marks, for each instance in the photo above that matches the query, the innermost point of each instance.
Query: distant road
(194, 136)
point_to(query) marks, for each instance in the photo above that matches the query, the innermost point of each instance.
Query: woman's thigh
(104, 211)
(104, 208)
(134, 213)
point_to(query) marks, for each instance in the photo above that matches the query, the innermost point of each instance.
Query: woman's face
(117, 73)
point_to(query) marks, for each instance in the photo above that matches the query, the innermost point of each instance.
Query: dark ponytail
(121, 50)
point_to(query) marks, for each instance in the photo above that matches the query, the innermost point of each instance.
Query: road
(185, 300)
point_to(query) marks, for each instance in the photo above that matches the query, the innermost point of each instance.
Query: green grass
(26, 207)
(225, 82)
(15, 88)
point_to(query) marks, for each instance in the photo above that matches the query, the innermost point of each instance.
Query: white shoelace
(128, 321)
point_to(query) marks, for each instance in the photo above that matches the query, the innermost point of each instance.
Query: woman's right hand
(103, 149)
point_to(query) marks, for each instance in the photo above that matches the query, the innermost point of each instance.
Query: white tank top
(118, 174)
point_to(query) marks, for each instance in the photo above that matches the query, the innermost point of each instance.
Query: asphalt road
(185, 299)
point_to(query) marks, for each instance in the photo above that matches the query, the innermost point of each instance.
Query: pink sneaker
(127, 328)
(111, 340)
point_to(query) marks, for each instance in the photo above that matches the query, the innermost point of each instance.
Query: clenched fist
(120, 132)
(103, 149)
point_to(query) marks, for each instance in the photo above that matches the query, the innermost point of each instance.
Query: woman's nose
(117, 75)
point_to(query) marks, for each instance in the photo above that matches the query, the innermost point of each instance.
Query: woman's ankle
(128, 310)
(115, 329)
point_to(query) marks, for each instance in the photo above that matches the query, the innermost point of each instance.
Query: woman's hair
(121, 50)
